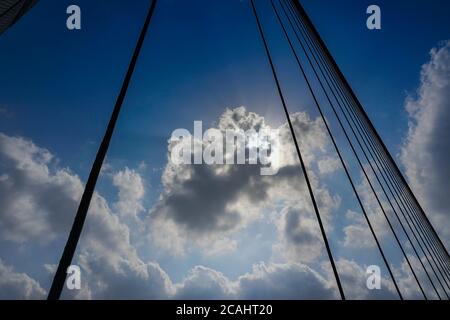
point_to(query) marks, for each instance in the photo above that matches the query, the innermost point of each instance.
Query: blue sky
(58, 88)
(188, 51)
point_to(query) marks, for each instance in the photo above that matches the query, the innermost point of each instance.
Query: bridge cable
(75, 232)
(305, 173)
(377, 165)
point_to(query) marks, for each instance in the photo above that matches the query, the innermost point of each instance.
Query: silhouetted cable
(367, 158)
(350, 125)
(381, 185)
(415, 216)
(70, 247)
(425, 242)
(302, 12)
(365, 155)
(305, 173)
(338, 151)
(331, 135)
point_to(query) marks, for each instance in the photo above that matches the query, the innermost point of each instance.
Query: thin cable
(438, 256)
(302, 22)
(383, 189)
(369, 162)
(365, 155)
(301, 11)
(305, 173)
(344, 165)
(334, 143)
(74, 236)
(403, 208)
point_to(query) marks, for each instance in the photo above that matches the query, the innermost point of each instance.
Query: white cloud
(329, 165)
(131, 192)
(14, 285)
(41, 199)
(426, 150)
(126, 279)
(36, 202)
(205, 283)
(285, 281)
(357, 234)
(299, 235)
(203, 203)
(265, 281)
(354, 280)
(408, 283)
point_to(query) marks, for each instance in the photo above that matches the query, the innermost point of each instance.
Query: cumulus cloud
(39, 200)
(126, 279)
(300, 238)
(357, 234)
(426, 150)
(203, 202)
(408, 283)
(329, 165)
(354, 279)
(205, 283)
(36, 202)
(285, 281)
(14, 285)
(266, 281)
(131, 192)
(112, 266)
